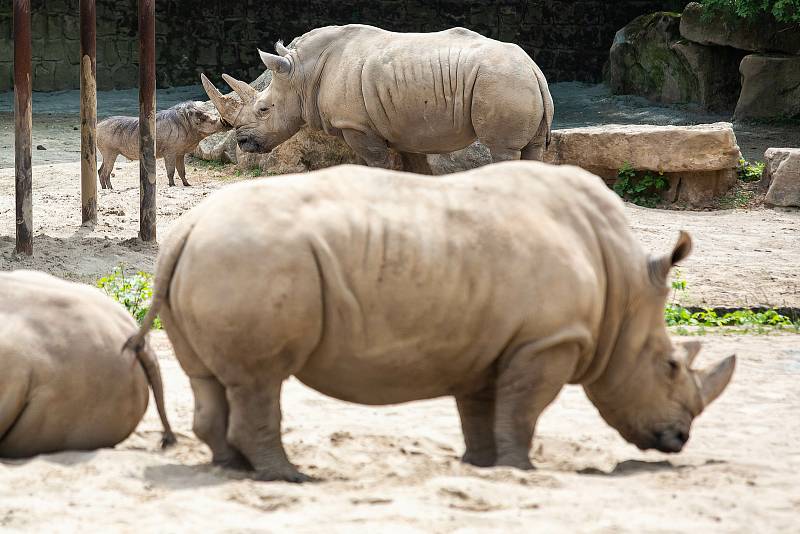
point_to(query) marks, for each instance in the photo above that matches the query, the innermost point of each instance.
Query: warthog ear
(277, 64)
(227, 105)
(280, 49)
(658, 267)
(714, 380)
(244, 90)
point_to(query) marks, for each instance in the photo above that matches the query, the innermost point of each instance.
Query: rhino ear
(277, 64)
(280, 49)
(714, 380)
(658, 267)
(692, 349)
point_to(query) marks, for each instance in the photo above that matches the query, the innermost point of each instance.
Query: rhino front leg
(527, 383)
(371, 148)
(255, 429)
(180, 165)
(476, 411)
(169, 163)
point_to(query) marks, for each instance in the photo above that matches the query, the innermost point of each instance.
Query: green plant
(737, 198)
(750, 171)
(255, 172)
(641, 189)
(208, 164)
(782, 10)
(134, 291)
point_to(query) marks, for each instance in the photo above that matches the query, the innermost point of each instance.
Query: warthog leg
(255, 429)
(105, 170)
(180, 165)
(528, 381)
(477, 422)
(169, 163)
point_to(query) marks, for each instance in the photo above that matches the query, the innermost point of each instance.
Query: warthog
(418, 93)
(64, 384)
(179, 129)
(497, 286)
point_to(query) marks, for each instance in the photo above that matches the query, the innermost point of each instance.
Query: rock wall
(569, 39)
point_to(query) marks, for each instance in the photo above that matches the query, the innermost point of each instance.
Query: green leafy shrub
(782, 10)
(134, 291)
(641, 189)
(750, 171)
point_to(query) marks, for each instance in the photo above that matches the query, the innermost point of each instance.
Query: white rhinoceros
(417, 93)
(497, 286)
(64, 385)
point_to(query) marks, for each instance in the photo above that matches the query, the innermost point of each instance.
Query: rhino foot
(519, 462)
(237, 462)
(289, 474)
(479, 458)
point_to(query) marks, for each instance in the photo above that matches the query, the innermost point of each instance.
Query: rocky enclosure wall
(568, 39)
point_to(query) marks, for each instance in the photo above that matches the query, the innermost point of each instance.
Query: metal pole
(147, 120)
(88, 111)
(22, 124)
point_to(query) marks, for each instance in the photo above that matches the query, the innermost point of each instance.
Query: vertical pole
(147, 120)
(88, 111)
(22, 125)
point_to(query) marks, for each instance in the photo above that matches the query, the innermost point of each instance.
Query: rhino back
(411, 286)
(82, 393)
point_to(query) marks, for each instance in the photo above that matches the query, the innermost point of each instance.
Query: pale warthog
(64, 384)
(179, 130)
(418, 93)
(496, 286)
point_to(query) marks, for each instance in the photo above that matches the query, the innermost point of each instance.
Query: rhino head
(264, 119)
(649, 391)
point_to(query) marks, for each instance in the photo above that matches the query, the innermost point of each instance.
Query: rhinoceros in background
(64, 384)
(496, 286)
(417, 93)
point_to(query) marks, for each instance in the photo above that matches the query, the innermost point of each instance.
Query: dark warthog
(417, 93)
(178, 131)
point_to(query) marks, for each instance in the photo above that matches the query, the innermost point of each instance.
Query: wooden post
(147, 120)
(22, 125)
(88, 111)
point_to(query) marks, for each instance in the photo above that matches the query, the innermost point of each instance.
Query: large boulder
(782, 177)
(648, 58)
(770, 87)
(759, 34)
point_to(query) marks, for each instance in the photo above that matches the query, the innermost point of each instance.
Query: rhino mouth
(669, 441)
(249, 144)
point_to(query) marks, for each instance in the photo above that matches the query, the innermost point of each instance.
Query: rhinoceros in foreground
(64, 384)
(497, 286)
(418, 93)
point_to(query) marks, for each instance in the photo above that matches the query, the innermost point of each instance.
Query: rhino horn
(227, 105)
(280, 49)
(277, 64)
(713, 380)
(244, 90)
(659, 267)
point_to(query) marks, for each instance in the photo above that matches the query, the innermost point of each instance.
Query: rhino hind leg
(534, 150)
(476, 411)
(180, 165)
(211, 422)
(372, 149)
(13, 401)
(255, 429)
(500, 153)
(528, 383)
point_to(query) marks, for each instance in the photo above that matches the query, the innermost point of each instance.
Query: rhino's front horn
(244, 90)
(227, 105)
(713, 380)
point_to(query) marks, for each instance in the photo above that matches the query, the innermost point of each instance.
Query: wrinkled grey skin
(496, 286)
(416, 93)
(179, 129)
(64, 384)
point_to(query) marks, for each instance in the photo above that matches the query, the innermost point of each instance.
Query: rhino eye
(674, 368)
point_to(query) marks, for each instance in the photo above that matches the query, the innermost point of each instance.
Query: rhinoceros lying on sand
(418, 93)
(64, 384)
(496, 286)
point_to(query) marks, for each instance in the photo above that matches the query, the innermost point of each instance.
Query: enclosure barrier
(88, 66)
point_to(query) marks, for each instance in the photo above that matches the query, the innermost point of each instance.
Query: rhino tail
(152, 371)
(547, 103)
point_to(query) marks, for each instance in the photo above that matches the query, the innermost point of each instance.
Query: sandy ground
(741, 257)
(396, 469)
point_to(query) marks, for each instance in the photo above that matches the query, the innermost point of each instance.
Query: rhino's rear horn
(277, 64)
(244, 90)
(228, 106)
